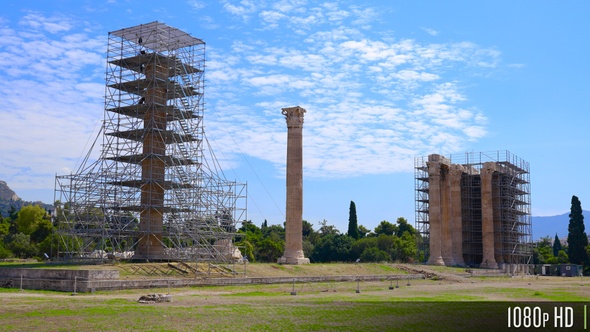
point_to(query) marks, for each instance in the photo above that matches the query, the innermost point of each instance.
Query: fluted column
(487, 217)
(294, 205)
(153, 169)
(455, 175)
(446, 240)
(434, 210)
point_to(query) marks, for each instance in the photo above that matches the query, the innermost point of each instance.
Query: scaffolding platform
(157, 191)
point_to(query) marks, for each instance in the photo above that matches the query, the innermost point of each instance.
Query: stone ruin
(155, 298)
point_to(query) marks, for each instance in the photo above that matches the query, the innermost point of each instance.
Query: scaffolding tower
(510, 208)
(156, 192)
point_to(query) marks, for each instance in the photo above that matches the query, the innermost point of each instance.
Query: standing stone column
(446, 240)
(153, 169)
(456, 174)
(434, 210)
(487, 217)
(498, 231)
(294, 224)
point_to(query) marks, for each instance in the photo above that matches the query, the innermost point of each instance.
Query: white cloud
(430, 31)
(242, 8)
(52, 97)
(197, 4)
(272, 18)
(50, 24)
(373, 104)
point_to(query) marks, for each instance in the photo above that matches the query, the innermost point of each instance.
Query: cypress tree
(556, 246)
(353, 229)
(577, 239)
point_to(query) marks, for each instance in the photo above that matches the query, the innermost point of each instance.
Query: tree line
(387, 242)
(26, 233)
(29, 232)
(576, 251)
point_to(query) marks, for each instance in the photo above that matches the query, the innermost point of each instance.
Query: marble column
(487, 217)
(446, 221)
(455, 176)
(434, 209)
(153, 169)
(294, 206)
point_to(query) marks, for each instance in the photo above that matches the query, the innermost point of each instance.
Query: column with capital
(294, 208)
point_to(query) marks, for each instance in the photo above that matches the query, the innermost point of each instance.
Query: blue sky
(382, 82)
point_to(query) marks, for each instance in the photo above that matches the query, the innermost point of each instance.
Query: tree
(275, 232)
(404, 227)
(385, 243)
(12, 220)
(543, 252)
(577, 239)
(373, 254)
(326, 229)
(21, 246)
(249, 235)
(4, 226)
(363, 231)
(307, 247)
(42, 230)
(359, 246)
(404, 248)
(385, 227)
(333, 248)
(264, 225)
(353, 229)
(29, 217)
(306, 229)
(310, 237)
(51, 244)
(4, 253)
(556, 246)
(269, 250)
(562, 257)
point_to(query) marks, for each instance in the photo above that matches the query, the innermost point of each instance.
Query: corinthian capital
(294, 116)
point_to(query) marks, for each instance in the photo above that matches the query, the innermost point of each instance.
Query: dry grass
(449, 303)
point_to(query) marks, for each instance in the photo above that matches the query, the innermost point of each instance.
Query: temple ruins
(474, 210)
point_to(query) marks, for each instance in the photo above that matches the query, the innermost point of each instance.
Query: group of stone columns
(445, 216)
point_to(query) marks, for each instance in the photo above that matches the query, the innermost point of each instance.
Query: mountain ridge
(8, 199)
(7, 194)
(551, 225)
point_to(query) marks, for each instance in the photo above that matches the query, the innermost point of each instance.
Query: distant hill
(9, 198)
(548, 226)
(6, 194)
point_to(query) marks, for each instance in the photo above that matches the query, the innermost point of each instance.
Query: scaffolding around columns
(511, 206)
(156, 192)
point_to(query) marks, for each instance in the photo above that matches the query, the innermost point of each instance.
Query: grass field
(450, 301)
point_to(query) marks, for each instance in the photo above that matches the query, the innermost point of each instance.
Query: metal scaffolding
(156, 192)
(511, 206)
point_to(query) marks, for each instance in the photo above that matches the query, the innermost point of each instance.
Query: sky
(383, 82)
